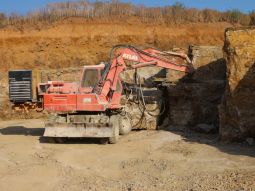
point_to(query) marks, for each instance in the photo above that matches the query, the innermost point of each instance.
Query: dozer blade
(75, 130)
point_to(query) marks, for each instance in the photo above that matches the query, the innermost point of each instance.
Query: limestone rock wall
(237, 115)
(208, 62)
(194, 101)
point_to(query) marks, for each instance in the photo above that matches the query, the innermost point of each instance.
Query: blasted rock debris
(144, 111)
(237, 116)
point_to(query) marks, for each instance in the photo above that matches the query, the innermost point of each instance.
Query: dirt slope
(145, 160)
(75, 42)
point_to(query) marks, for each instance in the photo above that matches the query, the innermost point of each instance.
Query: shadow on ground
(21, 130)
(72, 141)
(213, 140)
(38, 132)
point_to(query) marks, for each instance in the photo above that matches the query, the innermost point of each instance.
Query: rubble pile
(143, 107)
(193, 102)
(237, 112)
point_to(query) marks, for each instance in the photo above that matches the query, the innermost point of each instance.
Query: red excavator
(92, 107)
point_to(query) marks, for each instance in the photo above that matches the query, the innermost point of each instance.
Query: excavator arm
(121, 54)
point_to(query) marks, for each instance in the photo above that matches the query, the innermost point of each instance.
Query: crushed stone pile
(237, 112)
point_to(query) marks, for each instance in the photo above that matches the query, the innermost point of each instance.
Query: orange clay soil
(75, 42)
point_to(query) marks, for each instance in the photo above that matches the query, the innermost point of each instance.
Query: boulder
(144, 111)
(147, 76)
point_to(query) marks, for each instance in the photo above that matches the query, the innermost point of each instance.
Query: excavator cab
(90, 77)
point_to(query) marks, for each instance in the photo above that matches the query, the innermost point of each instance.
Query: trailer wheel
(125, 125)
(115, 123)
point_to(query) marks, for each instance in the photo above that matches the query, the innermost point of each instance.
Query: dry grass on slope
(76, 43)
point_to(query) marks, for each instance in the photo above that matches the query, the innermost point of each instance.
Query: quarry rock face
(237, 112)
(191, 104)
(195, 100)
(208, 62)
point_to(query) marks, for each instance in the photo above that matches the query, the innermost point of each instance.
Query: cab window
(90, 78)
